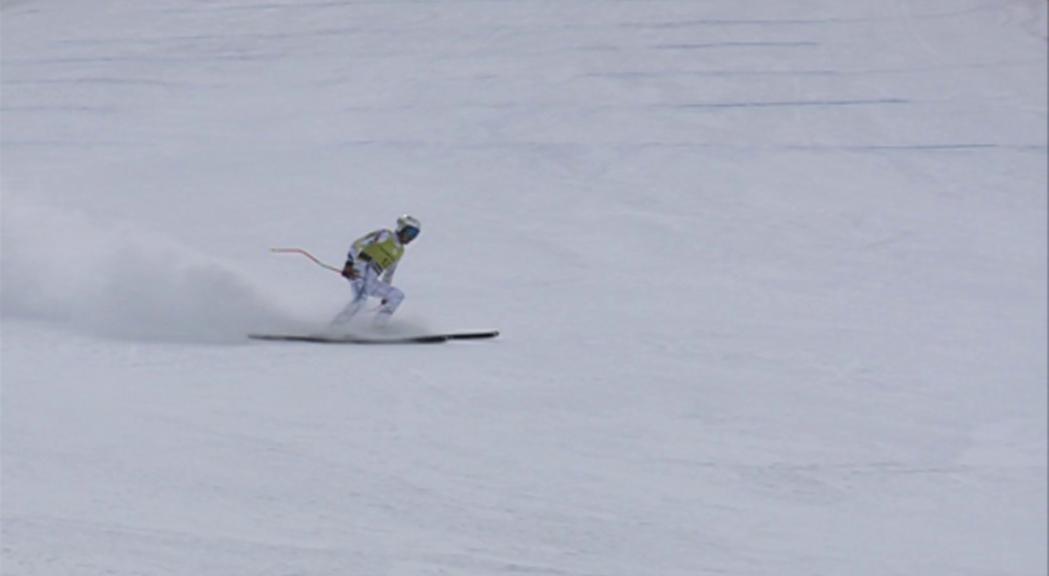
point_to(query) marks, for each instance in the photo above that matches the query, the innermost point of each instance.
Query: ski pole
(306, 254)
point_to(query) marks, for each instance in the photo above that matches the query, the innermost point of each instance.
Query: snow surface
(771, 278)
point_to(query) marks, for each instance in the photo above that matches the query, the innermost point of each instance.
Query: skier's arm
(364, 241)
(360, 244)
(348, 270)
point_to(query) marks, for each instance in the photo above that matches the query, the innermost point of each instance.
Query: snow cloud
(119, 280)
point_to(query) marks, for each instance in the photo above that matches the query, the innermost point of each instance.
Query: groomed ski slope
(770, 276)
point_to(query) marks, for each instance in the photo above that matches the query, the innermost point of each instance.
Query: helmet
(408, 226)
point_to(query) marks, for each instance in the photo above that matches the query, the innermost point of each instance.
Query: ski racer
(370, 266)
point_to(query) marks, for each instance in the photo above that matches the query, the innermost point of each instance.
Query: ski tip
(474, 335)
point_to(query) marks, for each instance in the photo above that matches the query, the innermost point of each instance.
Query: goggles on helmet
(408, 233)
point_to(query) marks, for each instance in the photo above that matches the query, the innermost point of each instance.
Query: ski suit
(373, 260)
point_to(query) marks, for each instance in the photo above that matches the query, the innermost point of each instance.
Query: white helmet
(408, 225)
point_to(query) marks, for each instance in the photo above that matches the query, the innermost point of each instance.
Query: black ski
(350, 339)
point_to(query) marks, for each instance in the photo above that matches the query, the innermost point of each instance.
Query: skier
(370, 265)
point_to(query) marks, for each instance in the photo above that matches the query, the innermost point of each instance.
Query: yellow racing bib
(384, 254)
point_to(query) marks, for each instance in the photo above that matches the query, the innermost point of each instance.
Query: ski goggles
(409, 232)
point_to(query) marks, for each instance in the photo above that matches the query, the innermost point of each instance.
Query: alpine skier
(370, 266)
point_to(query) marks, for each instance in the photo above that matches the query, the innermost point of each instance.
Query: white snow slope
(771, 277)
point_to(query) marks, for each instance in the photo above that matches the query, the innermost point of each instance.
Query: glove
(349, 272)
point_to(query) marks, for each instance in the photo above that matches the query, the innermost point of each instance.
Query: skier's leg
(391, 299)
(362, 288)
(353, 306)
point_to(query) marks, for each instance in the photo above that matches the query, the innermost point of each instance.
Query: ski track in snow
(770, 279)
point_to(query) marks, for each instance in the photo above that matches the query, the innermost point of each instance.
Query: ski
(351, 339)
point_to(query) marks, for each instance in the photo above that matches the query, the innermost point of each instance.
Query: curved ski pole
(306, 254)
